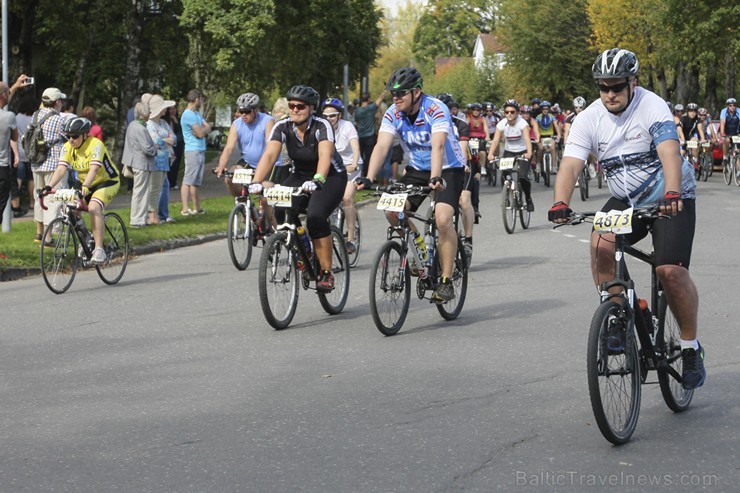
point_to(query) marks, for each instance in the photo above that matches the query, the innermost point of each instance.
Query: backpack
(33, 142)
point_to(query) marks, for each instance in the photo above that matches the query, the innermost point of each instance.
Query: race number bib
(706, 144)
(736, 139)
(68, 195)
(279, 196)
(692, 144)
(618, 222)
(243, 176)
(506, 163)
(473, 144)
(547, 142)
(393, 202)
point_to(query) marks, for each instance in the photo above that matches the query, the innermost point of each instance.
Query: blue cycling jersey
(416, 135)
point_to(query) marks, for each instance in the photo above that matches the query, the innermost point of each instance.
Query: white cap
(52, 94)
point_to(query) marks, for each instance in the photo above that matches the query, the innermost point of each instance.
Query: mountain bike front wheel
(390, 293)
(239, 236)
(508, 209)
(278, 281)
(613, 374)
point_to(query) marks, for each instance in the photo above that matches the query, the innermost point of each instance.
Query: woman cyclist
(515, 132)
(348, 146)
(534, 135)
(317, 168)
(100, 180)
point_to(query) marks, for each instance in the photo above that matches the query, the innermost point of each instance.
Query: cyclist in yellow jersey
(99, 177)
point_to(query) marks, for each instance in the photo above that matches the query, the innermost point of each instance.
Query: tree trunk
(730, 78)
(710, 87)
(662, 83)
(130, 85)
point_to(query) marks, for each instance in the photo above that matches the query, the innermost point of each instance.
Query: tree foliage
(449, 28)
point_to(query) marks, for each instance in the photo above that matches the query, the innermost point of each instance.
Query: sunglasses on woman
(297, 106)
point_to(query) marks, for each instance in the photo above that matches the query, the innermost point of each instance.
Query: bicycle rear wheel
(59, 259)
(668, 342)
(524, 214)
(334, 301)
(278, 281)
(390, 294)
(508, 209)
(613, 377)
(451, 310)
(239, 236)
(707, 164)
(583, 189)
(546, 168)
(735, 170)
(354, 257)
(116, 246)
(727, 171)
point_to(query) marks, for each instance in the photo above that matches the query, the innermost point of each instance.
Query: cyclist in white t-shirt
(348, 146)
(633, 135)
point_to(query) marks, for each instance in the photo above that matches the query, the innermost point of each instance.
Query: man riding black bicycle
(435, 159)
(634, 137)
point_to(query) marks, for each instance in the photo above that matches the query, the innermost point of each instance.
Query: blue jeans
(164, 200)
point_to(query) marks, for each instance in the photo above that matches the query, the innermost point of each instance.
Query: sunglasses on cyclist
(331, 115)
(510, 112)
(73, 137)
(245, 111)
(616, 88)
(297, 106)
(400, 93)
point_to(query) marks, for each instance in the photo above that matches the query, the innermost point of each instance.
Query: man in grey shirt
(8, 141)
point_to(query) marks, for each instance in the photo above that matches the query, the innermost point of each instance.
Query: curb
(15, 273)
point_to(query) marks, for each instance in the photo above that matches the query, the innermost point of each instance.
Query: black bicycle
(390, 274)
(68, 244)
(627, 339)
(248, 224)
(512, 197)
(286, 260)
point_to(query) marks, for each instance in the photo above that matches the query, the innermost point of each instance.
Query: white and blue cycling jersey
(416, 135)
(732, 121)
(626, 147)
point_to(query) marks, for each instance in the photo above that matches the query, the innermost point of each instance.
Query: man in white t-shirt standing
(633, 135)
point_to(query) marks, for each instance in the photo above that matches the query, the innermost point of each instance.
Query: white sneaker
(98, 256)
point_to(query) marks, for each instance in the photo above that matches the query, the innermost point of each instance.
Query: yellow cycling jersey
(92, 152)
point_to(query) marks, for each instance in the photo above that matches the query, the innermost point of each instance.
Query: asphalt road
(173, 382)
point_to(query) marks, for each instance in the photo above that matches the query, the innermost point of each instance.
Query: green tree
(450, 27)
(548, 48)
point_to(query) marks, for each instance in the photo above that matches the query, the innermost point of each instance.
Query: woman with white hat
(164, 138)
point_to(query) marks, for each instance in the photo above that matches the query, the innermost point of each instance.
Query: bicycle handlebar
(41, 193)
(400, 188)
(649, 214)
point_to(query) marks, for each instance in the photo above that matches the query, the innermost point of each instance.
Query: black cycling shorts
(450, 195)
(672, 238)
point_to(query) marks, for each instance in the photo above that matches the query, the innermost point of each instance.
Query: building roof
(445, 64)
(491, 44)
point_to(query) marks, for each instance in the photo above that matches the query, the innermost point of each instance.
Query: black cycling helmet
(615, 63)
(406, 78)
(76, 126)
(248, 101)
(536, 101)
(476, 106)
(512, 103)
(307, 94)
(446, 98)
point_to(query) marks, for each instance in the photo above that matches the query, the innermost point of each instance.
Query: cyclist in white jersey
(435, 159)
(632, 133)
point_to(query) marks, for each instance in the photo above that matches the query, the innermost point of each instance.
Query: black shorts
(450, 195)
(672, 238)
(397, 155)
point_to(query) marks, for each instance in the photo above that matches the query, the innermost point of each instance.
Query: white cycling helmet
(579, 102)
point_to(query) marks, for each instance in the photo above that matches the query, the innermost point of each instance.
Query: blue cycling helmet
(546, 104)
(536, 101)
(334, 103)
